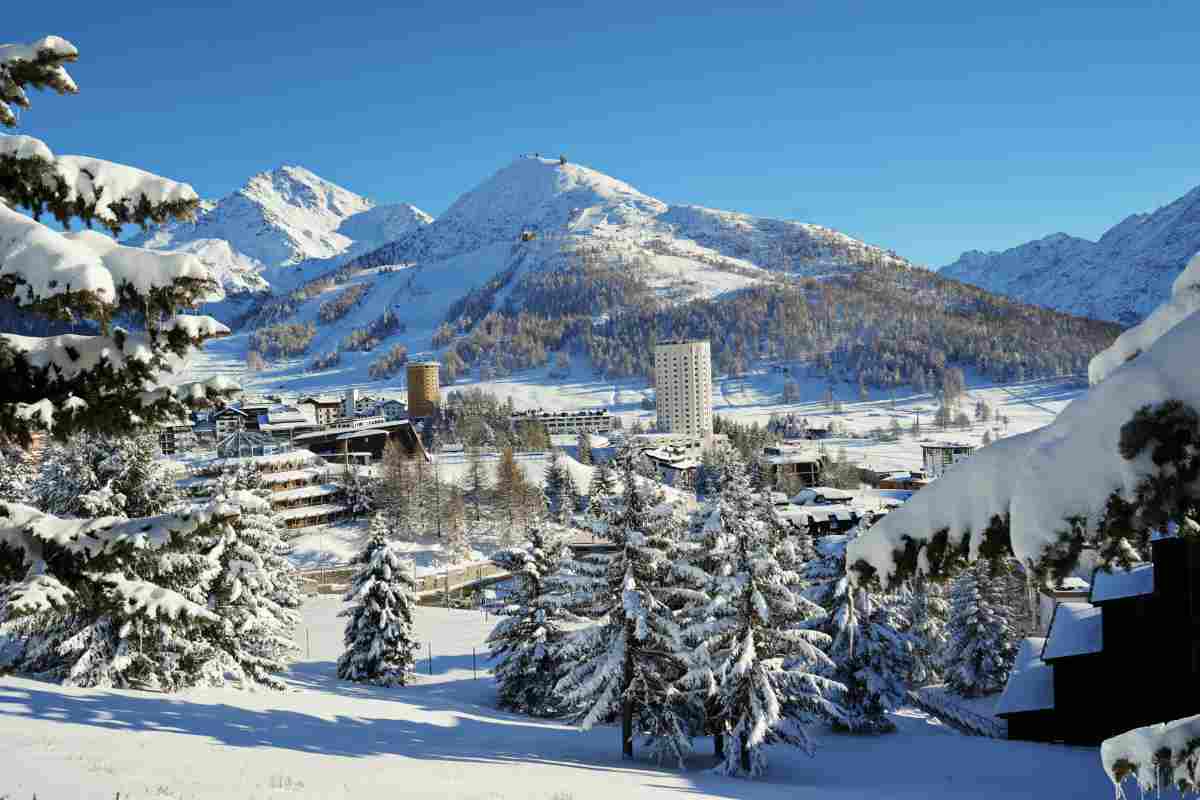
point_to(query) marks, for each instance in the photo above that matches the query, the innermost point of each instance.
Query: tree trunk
(719, 745)
(745, 758)
(627, 728)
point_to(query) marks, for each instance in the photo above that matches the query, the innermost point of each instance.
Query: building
(361, 439)
(940, 456)
(791, 461)
(284, 421)
(324, 410)
(392, 409)
(556, 422)
(823, 496)
(683, 387)
(1134, 644)
(175, 437)
(241, 444)
(256, 406)
(908, 481)
(424, 389)
(229, 420)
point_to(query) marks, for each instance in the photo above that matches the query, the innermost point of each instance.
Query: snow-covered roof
(1030, 684)
(310, 511)
(1121, 583)
(366, 432)
(828, 493)
(310, 473)
(1075, 630)
(306, 491)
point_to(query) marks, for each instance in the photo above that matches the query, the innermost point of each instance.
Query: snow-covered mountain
(570, 205)
(1121, 277)
(279, 219)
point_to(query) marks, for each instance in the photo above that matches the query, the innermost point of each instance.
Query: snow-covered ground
(443, 738)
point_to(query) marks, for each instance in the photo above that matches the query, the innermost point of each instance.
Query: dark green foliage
(344, 303)
(284, 339)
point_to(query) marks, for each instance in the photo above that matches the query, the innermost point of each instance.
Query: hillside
(549, 266)
(281, 219)
(1122, 277)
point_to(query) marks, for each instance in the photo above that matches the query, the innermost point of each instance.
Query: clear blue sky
(928, 127)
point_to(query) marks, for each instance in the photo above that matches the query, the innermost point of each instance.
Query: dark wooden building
(362, 437)
(1128, 657)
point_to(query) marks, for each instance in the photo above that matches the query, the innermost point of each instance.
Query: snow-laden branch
(35, 64)
(1068, 469)
(1156, 756)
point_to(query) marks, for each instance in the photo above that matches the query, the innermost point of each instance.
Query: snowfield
(443, 738)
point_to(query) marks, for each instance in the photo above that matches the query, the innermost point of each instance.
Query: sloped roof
(1075, 630)
(1031, 684)
(1119, 584)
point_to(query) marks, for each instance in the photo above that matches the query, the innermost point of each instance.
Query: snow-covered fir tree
(758, 662)
(255, 592)
(17, 475)
(95, 475)
(525, 643)
(627, 664)
(583, 449)
(927, 612)
(872, 654)
(983, 630)
(559, 500)
(358, 490)
(601, 489)
(380, 644)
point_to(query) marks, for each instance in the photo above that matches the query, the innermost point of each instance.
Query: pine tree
(526, 641)
(255, 592)
(584, 449)
(476, 486)
(628, 663)
(927, 614)
(358, 490)
(96, 475)
(17, 475)
(872, 655)
(514, 497)
(458, 543)
(555, 489)
(380, 644)
(396, 492)
(982, 631)
(758, 661)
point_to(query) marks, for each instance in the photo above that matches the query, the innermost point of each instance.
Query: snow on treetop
(1041, 478)
(21, 525)
(1184, 301)
(143, 269)
(20, 146)
(1138, 754)
(94, 179)
(48, 263)
(54, 45)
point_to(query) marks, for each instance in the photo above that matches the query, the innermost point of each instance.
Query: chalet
(392, 409)
(822, 496)
(938, 457)
(791, 460)
(229, 420)
(823, 520)
(674, 469)
(1132, 646)
(323, 410)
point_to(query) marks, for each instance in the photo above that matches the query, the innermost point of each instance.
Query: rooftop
(1075, 630)
(1119, 584)
(1031, 685)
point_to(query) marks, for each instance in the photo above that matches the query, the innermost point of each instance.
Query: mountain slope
(279, 219)
(1122, 277)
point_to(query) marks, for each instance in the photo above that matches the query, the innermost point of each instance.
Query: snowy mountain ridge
(279, 219)
(1121, 277)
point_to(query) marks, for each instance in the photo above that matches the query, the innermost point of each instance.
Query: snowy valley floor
(443, 738)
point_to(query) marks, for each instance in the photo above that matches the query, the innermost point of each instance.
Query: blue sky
(929, 127)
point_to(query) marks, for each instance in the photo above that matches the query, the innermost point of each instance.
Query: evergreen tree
(380, 644)
(584, 449)
(982, 630)
(477, 485)
(628, 663)
(17, 475)
(358, 489)
(526, 641)
(757, 661)
(554, 487)
(396, 492)
(96, 475)
(927, 614)
(601, 489)
(255, 592)
(458, 543)
(514, 498)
